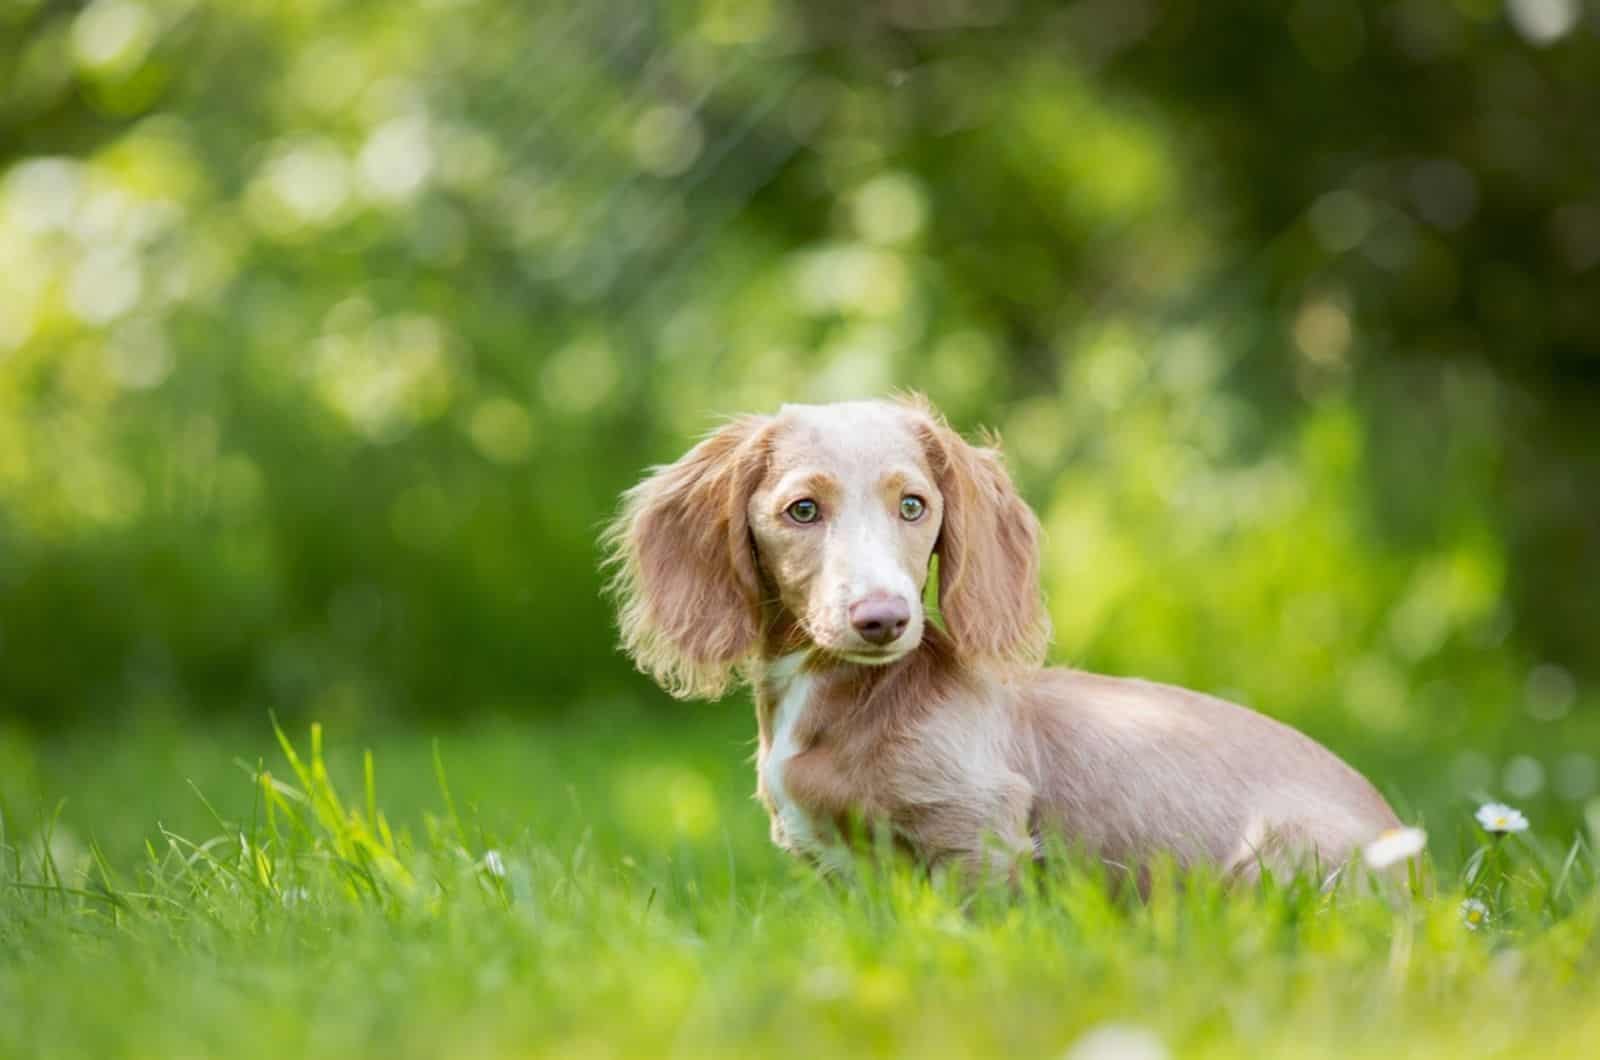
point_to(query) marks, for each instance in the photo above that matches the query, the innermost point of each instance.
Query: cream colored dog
(793, 550)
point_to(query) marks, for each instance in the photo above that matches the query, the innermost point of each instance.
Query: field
(605, 888)
(332, 333)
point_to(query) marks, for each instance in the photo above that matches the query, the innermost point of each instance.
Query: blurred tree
(330, 332)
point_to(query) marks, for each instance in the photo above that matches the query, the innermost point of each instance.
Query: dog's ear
(988, 550)
(684, 566)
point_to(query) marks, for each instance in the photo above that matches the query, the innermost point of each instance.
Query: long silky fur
(683, 567)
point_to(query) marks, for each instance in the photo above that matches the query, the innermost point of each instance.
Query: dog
(792, 552)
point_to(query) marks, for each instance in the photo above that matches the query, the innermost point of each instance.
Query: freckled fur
(954, 737)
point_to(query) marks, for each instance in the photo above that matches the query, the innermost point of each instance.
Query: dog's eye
(912, 507)
(804, 510)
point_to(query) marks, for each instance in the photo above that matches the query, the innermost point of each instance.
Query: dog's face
(821, 521)
(845, 519)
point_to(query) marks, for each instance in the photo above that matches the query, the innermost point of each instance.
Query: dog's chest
(793, 691)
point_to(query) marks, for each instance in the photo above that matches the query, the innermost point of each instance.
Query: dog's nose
(880, 619)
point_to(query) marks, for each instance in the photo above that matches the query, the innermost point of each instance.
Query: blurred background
(330, 332)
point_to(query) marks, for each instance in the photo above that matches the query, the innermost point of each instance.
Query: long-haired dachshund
(793, 551)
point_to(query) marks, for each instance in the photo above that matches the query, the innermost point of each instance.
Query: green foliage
(310, 923)
(329, 333)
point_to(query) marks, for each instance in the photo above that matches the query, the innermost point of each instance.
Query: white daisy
(1393, 846)
(494, 864)
(1474, 914)
(1497, 818)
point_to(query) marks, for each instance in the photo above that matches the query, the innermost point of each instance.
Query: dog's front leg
(831, 802)
(986, 834)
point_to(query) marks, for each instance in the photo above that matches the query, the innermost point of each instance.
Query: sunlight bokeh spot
(502, 430)
(387, 378)
(667, 139)
(105, 285)
(1543, 22)
(103, 216)
(302, 184)
(113, 36)
(1108, 369)
(1472, 773)
(889, 208)
(103, 492)
(1445, 191)
(138, 355)
(1392, 244)
(1341, 219)
(1190, 362)
(858, 365)
(468, 158)
(1322, 331)
(851, 277)
(737, 21)
(41, 194)
(396, 159)
(1550, 692)
(580, 377)
(1523, 777)
(1119, 1041)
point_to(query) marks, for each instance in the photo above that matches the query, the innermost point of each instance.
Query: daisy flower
(1497, 818)
(494, 864)
(1474, 914)
(1393, 846)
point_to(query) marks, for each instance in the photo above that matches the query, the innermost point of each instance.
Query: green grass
(344, 905)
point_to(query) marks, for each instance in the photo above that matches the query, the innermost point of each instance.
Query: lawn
(605, 887)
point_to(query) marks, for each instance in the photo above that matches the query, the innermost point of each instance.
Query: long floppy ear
(685, 580)
(988, 550)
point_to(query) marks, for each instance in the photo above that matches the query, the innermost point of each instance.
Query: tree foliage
(331, 331)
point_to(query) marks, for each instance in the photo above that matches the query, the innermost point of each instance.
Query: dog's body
(964, 765)
(795, 549)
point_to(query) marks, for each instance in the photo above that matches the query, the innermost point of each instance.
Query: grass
(605, 888)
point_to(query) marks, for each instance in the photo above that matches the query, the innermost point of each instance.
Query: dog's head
(822, 520)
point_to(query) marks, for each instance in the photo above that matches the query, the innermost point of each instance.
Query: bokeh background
(330, 332)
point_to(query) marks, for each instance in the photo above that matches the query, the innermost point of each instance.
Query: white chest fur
(793, 687)
(793, 828)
